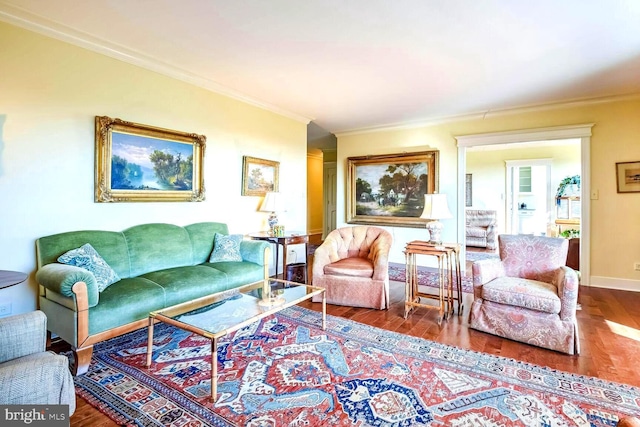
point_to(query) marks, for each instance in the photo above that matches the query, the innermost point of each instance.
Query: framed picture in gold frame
(259, 176)
(628, 177)
(142, 163)
(389, 189)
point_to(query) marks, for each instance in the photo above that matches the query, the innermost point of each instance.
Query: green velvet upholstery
(238, 273)
(157, 246)
(124, 302)
(187, 283)
(202, 235)
(159, 265)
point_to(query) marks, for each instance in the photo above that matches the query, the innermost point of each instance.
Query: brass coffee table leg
(214, 369)
(149, 341)
(324, 310)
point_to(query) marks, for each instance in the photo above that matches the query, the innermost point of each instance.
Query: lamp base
(272, 221)
(435, 232)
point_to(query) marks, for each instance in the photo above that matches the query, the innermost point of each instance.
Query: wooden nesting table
(448, 255)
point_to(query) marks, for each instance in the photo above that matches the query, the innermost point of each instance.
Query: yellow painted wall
(614, 227)
(315, 203)
(50, 92)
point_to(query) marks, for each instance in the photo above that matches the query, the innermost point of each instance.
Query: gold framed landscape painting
(389, 189)
(259, 176)
(142, 163)
(628, 177)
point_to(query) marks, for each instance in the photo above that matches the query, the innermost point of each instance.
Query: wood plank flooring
(609, 337)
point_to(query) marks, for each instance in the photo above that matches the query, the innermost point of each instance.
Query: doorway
(529, 197)
(581, 132)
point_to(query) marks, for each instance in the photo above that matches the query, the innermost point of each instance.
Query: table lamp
(272, 202)
(435, 208)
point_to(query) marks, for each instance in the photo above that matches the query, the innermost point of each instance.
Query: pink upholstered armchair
(527, 295)
(352, 264)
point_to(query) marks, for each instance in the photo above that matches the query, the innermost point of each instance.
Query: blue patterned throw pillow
(88, 258)
(226, 248)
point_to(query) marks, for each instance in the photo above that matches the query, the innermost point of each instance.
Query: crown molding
(46, 27)
(583, 102)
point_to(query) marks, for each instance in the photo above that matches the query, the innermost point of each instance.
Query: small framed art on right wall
(628, 177)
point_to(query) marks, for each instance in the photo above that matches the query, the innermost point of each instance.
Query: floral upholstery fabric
(528, 295)
(523, 293)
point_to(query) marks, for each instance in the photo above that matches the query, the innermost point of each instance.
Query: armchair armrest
(379, 256)
(22, 334)
(485, 271)
(566, 279)
(253, 251)
(60, 278)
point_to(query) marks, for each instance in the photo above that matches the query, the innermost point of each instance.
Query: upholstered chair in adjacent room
(29, 375)
(480, 228)
(527, 295)
(352, 265)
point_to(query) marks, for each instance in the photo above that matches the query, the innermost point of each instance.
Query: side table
(10, 278)
(291, 238)
(448, 256)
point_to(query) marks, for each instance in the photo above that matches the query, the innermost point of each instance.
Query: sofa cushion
(226, 248)
(354, 267)
(124, 302)
(524, 293)
(239, 273)
(202, 235)
(154, 247)
(182, 284)
(88, 258)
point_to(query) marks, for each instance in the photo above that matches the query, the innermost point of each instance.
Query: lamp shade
(272, 202)
(436, 207)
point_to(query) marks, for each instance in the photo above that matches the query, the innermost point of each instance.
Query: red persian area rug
(286, 371)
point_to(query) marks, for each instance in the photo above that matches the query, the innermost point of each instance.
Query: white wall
(50, 93)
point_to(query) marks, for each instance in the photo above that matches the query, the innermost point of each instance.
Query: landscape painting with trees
(142, 163)
(137, 162)
(259, 176)
(390, 189)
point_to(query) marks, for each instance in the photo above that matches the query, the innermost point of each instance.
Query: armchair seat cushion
(525, 293)
(354, 267)
(476, 231)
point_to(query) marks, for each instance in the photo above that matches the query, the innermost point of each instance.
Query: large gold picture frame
(142, 163)
(389, 189)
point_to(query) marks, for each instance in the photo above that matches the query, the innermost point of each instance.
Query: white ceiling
(364, 64)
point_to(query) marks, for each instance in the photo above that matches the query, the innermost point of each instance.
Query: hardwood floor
(609, 331)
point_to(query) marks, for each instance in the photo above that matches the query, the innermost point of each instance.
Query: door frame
(582, 131)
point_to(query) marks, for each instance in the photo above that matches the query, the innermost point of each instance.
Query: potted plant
(570, 180)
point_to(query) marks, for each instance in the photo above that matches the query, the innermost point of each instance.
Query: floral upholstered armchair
(527, 295)
(352, 264)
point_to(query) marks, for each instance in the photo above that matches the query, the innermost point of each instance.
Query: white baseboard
(614, 283)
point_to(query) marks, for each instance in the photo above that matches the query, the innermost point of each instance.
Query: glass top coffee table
(219, 314)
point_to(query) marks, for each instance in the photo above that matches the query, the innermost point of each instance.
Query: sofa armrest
(60, 278)
(485, 271)
(22, 334)
(253, 251)
(566, 279)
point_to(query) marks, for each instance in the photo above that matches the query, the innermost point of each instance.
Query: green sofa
(159, 265)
